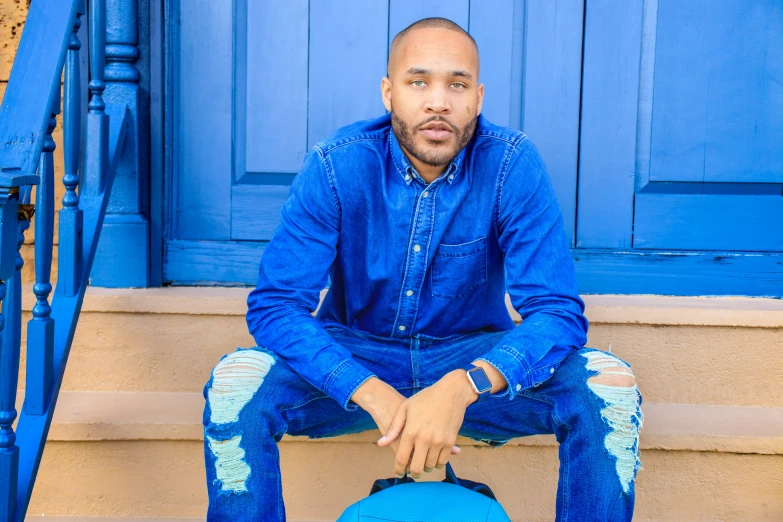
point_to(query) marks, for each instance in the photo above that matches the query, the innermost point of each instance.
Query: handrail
(27, 118)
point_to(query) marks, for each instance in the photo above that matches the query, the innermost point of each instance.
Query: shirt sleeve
(540, 276)
(293, 271)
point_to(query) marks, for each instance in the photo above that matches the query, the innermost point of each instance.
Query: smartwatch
(478, 381)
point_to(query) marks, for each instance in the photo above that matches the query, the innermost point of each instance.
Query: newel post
(123, 255)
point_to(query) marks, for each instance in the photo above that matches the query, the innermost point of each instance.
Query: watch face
(480, 380)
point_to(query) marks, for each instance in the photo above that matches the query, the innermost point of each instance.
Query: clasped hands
(421, 430)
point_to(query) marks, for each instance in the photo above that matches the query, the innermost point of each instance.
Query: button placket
(417, 260)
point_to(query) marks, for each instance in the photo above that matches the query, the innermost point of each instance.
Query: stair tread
(751, 312)
(95, 415)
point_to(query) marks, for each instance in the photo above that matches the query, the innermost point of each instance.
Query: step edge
(93, 416)
(751, 312)
(57, 518)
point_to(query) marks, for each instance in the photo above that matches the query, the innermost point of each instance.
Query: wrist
(495, 377)
(368, 394)
(461, 385)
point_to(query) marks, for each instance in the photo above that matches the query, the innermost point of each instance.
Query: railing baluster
(9, 365)
(71, 218)
(9, 453)
(40, 329)
(97, 154)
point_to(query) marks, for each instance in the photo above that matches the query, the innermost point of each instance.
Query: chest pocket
(459, 269)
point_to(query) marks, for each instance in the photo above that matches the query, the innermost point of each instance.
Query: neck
(428, 172)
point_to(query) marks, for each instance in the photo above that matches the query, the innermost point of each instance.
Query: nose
(438, 102)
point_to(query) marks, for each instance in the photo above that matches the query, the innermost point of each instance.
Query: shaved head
(425, 23)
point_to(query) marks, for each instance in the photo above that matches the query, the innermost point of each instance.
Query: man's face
(433, 94)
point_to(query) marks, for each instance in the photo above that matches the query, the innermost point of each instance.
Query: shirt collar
(407, 171)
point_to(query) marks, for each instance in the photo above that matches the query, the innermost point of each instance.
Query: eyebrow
(458, 72)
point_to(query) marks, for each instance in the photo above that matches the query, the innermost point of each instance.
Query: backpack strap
(451, 478)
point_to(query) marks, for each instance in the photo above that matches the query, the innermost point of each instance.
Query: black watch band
(479, 381)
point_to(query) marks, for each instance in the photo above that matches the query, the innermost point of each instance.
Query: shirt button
(519, 387)
(402, 328)
(407, 177)
(416, 248)
(451, 177)
(409, 293)
(425, 194)
(551, 370)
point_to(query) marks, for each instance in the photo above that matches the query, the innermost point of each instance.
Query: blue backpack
(405, 500)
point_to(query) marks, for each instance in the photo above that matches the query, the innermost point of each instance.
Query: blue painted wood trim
(34, 79)
(128, 207)
(679, 273)
(193, 262)
(157, 130)
(598, 271)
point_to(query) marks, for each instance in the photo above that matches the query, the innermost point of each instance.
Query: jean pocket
(458, 269)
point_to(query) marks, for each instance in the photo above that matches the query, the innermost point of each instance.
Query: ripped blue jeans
(590, 402)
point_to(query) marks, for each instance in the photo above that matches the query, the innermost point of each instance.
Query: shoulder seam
(330, 178)
(501, 137)
(502, 178)
(327, 148)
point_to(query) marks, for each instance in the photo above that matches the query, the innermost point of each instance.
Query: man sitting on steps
(423, 218)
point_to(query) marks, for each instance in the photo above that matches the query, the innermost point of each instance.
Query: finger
(455, 450)
(443, 457)
(420, 451)
(432, 457)
(395, 426)
(403, 456)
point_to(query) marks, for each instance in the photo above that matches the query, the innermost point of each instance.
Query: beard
(439, 155)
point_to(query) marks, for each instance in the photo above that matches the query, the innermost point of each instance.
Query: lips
(437, 131)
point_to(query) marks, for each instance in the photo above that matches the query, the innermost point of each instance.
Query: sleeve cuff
(504, 360)
(345, 380)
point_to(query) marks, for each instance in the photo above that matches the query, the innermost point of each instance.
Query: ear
(386, 90)
(480, 92)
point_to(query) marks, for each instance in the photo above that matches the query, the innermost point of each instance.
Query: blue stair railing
(28, 116)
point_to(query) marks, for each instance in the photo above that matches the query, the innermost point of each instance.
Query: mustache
(439, 119)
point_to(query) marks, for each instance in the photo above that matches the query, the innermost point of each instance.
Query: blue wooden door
(681, 152)
(256, 83)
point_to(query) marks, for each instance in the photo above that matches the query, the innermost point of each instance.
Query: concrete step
(109, 519)
(136, 454)
(127, 439)
(105, 416)
(720, 351)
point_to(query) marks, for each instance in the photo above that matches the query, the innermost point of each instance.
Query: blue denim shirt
(408, 258)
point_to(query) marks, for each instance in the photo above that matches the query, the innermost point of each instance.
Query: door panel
(201, 187)
(681, 126)
(717, 98)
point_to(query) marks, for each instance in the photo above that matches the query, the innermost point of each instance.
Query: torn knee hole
(614, 376)
(236, 380)
(615, 386)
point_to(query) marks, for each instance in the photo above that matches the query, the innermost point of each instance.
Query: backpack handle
(451, 478)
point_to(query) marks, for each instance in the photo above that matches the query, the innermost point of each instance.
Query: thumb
(395, 427)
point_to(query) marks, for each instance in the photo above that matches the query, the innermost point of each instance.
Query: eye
(418, 83)
(459, 85)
